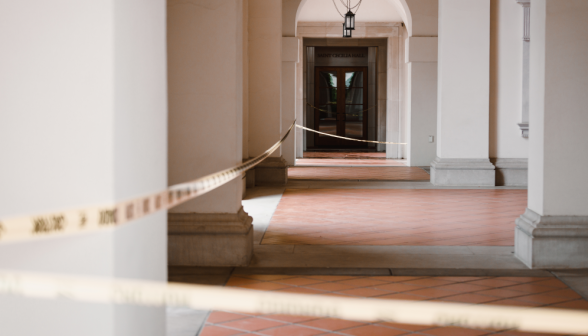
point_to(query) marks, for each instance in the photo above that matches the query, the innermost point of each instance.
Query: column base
(552, 242)
(511, 172)
(196, 239)
(462, 172)
(272, 171)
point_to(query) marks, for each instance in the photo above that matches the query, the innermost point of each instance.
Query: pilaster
(553, 231)
(463, 99)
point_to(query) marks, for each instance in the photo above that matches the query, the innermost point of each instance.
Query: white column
(421, 59)
(265, 86)
(83, 122)
(463, 95)
(289, 60)
(205, 49)
(392, 102)
(553, 232)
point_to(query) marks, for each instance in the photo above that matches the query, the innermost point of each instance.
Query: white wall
(506, 81)
(369, 11)
(558, 183)
(265, 68)
(83, 121)
(205, 98)
(424, 17)
(463, 79)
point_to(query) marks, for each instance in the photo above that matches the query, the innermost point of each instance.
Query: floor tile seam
(255, 332)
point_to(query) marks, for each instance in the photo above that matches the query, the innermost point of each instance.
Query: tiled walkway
(358, 173)
(426, 217)
(350, 162)
(346, 155)
(512, 291)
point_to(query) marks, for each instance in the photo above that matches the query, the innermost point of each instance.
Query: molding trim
(553, 242)
(524, 129)
(527, 18)
(462, 172)
(223, 239)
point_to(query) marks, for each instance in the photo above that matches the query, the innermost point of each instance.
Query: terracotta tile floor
(530, 292)
(349, 161)
(358, 173)
(354, 155)
(429, 217)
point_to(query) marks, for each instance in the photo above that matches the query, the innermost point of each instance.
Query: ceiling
(369, 11)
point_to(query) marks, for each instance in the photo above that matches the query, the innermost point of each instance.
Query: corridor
(335, 231)
(362, 152)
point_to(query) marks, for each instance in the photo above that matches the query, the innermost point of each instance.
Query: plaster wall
(506, 70)
(463, 79)
(369, 11)
(245, 152)
(206, 99)
(391, 74)
(265, 81)
(421, 86)
(404, 95)
(83, 121)
(558, 185)
(289, 60)
(422, 120)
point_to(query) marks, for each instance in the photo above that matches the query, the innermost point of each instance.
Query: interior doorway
(341, 106)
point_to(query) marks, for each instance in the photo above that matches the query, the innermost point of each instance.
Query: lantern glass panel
(346, 32)
(350, 20)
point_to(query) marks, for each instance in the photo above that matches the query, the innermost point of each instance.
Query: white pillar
(265, 87)
(289, 60)
(205, 49)
(553, 232)
(83, 122)
(421, 59)
(463, 95)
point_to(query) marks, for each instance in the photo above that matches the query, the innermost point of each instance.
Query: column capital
(524, 3)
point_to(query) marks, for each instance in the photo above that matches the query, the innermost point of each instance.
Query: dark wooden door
(340, 106)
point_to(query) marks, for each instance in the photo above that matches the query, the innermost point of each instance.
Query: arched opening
(378, 40)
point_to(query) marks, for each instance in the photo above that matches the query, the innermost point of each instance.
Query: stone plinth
(196, 239)
(462, 172)
(272, 171)
(552, 242)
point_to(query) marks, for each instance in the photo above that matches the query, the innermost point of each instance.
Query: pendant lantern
(350, 20)
(346, 32)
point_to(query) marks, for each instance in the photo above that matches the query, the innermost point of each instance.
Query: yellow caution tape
(340, 137)
(150, 293)
(110, 215)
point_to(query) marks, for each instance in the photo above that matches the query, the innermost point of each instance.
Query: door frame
(330, 142)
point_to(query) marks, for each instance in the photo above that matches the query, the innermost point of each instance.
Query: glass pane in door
(328, 79)
(354, 96)
(354, 121)
(353, 79)
(327, 119)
